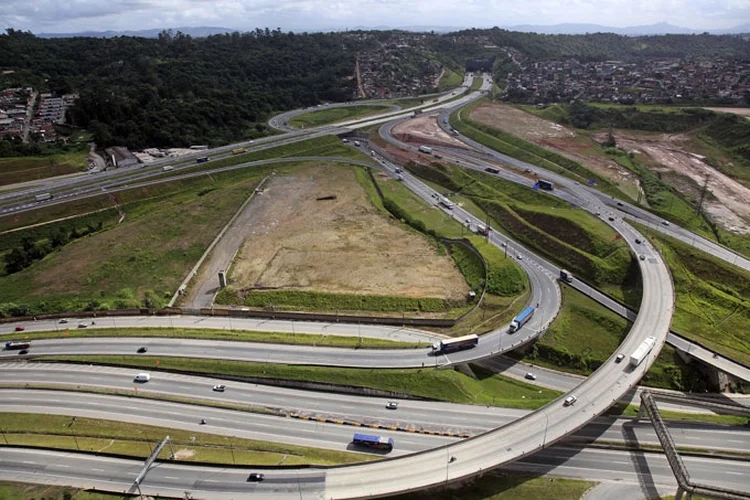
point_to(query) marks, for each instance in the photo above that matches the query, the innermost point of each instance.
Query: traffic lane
(387, 332)
(218, 420)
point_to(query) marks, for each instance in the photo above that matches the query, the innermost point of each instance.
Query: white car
(530, 376)
(63, 321)
(392, 405)
(220, 388)
(570, 401)
(619, 357)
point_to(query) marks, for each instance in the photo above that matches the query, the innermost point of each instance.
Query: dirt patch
(183, 454)
(425, 130)
(737, 111)
(729, 204)
(562, 140)
(344, 245)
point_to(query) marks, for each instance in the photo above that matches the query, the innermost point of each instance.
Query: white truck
(43, 197)
(167, 168)
(425, 149)
(642, 351)
(446, 203)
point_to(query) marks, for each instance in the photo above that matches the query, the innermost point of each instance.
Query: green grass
(503, 485)
(333, 115)
(476, 83)
(712, 298)
(632, 411)
(137, 440)
(450, 80)
(22, 491)
(29, 168)
(444, 385)
(233, 335)
(585, 334)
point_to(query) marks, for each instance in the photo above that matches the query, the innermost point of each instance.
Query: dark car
(20, 328)
(143, 349)
(611, 219)
(638, 240)
(23, 351)
(256, 477)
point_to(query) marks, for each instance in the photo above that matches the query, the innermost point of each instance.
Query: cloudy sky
(66, 16)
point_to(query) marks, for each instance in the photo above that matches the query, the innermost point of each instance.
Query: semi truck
(425, 149)
(566, 276)
(11, 344)
(446, 203)
(522, 319)
(43, 197)
(483, 230)
(642, 351)
(457, 344)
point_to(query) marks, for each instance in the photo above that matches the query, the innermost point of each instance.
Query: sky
(69, 16)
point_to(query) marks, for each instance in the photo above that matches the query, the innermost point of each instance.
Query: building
(120, 157)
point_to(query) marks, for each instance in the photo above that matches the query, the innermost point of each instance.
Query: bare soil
(729, 204)
(552, 136)
(345, 245)
(737, 111)
(424, 129)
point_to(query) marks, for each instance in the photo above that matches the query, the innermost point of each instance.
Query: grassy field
(233, 335)
(333, 115)
(712, 298)
(476, 83)
(504, 485)
(450, 80)
(22, 491)
(585, 334)
(137, 440)
(443, 385)
(30, 168)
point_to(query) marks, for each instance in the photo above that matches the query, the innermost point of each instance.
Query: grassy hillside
(29, 168)
(333, 115)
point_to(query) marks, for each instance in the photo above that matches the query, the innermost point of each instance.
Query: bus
(203, 159)
(545, 185)
(492, 170)
(238, 151)
(457, 344)
(377, 442)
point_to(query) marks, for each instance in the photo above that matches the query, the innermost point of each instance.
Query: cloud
(120, 15)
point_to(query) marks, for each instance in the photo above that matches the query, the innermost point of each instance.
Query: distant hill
(195, 32)
(651, 29)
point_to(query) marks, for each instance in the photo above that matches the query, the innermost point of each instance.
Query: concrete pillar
(678, 494)
(642, 413)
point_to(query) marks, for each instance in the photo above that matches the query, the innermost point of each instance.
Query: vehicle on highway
(392, 405)
(20, 328)
(376, 442)
(642, 257)
(220, 388)
(83, 325)
(642, 351)
(23, 351)
(457, 344)
(665, 222)
(619, 357)
(530, 376)
(522, 318)
(544, 185)
(638, 241)
(255, 477)
(142, 377)
(492, 170)
(12, 344)
(203, 159)
(143, 349)
(519, 256)
(611, 219)
(63, 321)
(238, 151)
(566, 276)
(570, 401)
(619, 204)
(446, 203)
(425, 149)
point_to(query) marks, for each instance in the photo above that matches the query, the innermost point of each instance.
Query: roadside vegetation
(29, 168)
(333, 115)
(137, 440)
(476, 83)
(233, 335)
(429, 382)
(450, 79)
(712, 298)
(585, 334)
(506, 485)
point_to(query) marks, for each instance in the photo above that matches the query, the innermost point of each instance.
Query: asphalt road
(649, 472)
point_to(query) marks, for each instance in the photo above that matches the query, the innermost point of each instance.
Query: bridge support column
(678, 494)
(642, 413)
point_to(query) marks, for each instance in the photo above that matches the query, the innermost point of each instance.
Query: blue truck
(522, 319)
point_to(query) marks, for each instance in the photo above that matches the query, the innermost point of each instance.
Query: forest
(175, 90)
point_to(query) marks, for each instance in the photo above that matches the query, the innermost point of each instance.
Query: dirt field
(553, 136)
(730, 204)
(343, 246)
(737, 111)
(425, 130)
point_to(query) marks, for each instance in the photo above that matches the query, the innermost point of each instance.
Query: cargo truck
(566, 276)
(642, 351)
(483, 230)
(17, 345)
(522, 319)
(446, 203)
(167, 168)
(238, 151)
(43, 197)
(425, 149)
(492, 170)
(457, 344)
